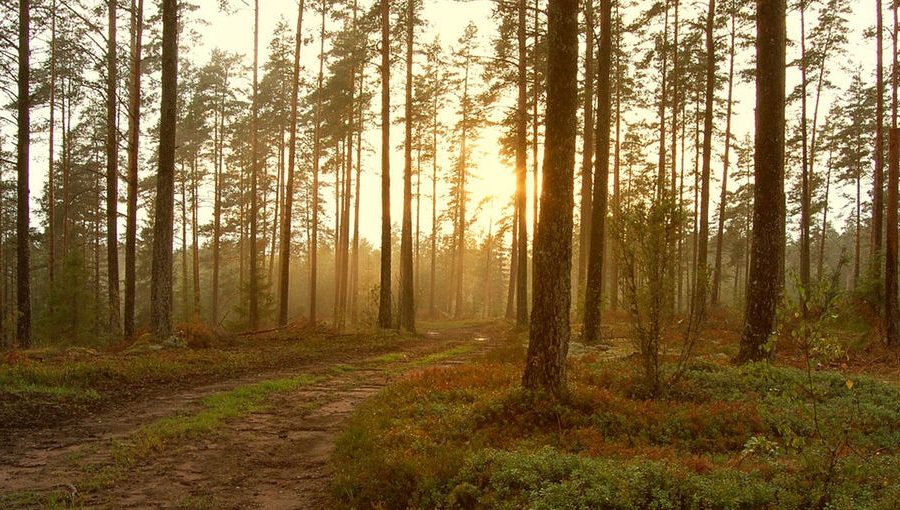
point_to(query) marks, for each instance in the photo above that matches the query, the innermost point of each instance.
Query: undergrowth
(724, 437)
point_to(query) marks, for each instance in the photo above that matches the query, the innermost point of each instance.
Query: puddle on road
(481, 339)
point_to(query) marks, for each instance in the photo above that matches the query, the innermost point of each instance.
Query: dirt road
(274, 456)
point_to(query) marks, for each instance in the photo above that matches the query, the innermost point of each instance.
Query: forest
(450, 254)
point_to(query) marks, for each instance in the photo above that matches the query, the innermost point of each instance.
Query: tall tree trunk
(254, 177)
(384, 305)
(892, 328)
(521, 236)
(513, 270)
(112, 177)
(317, 153)
(535, 122)
(857, 255)
(698, 306)
(66, 119)
(617, 194)
(284, 257)
(185, 314)
(461, 218)
(134, 136)
(407, 290)
(820, 271)
(663, 92)
(763, 290)
(545, 367)
(805, 194)
(217, 206)
(195, 238)
(878, 181)
(432, 311)
(161, 275)
(892, 322)
(593, 295)
(587, 153)
(726, 159)
(354, 256)
(51, 184)
(23, 241)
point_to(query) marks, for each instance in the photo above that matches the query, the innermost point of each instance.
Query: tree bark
(545, 367)
(726, 159)
(763, 289)
(805, 194)
(594, 288)
(254, 178)
(284, 257)
(878, 180)
(134, 136)
(317, 152)
(521, 235)
(407, 289)
(384, 306)
(23, 241)
(161, 275)
(587, 153)
(698, 306)
(112, 178)
(51, 184)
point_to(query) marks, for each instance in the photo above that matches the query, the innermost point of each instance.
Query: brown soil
(275, 458)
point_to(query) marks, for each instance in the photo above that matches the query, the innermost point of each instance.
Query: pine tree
(161, 278)
(545, 367)
(766, 259)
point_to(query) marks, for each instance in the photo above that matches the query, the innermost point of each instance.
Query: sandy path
(276, 458)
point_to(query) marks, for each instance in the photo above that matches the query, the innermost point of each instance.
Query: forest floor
(257, 438)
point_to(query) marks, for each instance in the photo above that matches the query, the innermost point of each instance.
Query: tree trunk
(407, 290)
(195, 239)
(384, 305)
(545, 367)
(161, 276)
(134, 136)
(805, 194)
(617, 195)
(185, 314)
(284, 257)
(23, 206)
(317, 148)
(820, 271)
(726, 159)
(432, 311)
(521, 237)
(593, 294)
(698, 306)
(112, 177)
(892, 327)
(535, 122)
(878, 181)
(587, 155)
(254, 177)
(663, 91)
(51, 184)
(763, 290)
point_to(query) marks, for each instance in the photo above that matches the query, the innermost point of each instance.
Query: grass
(217, 408)
(165, 434)
(726, 437)
(47, 385)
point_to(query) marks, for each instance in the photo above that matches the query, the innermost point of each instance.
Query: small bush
(727, 437)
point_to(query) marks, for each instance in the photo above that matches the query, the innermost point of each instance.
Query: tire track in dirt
(274, 458)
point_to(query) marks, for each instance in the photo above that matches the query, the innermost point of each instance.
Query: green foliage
(726, 437)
